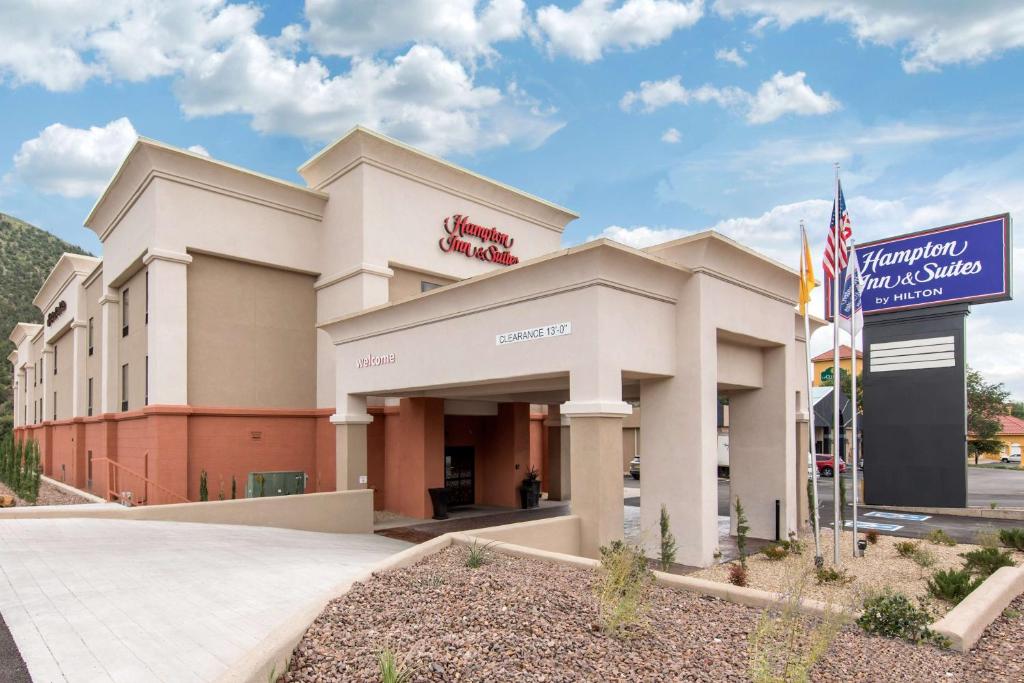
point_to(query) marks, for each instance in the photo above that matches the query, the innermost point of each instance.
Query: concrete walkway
(112, 600)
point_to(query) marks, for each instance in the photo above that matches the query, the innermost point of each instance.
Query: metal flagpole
(854, 277)
(837, 522)
(812, 461)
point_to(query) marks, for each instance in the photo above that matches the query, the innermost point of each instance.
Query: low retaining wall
(979, 512)
(965, 623)
(338, 512)
(72, 490)
(555, 534)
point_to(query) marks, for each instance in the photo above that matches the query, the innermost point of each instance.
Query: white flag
(852, 286)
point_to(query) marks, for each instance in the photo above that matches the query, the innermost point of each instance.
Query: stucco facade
(378, 328)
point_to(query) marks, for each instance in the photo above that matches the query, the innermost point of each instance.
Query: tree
(1017, 409)
(846, 386)
(985, 403)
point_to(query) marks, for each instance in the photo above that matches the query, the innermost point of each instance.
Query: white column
(78, 352)
(19, 397)
(47, 382)
(167, 331)
(110, 331)
(350, 443)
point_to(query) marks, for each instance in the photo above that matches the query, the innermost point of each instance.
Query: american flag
(845, 230)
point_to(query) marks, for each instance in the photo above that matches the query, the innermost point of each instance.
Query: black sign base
(915, 408)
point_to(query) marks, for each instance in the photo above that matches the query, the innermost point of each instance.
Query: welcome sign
(963, 263)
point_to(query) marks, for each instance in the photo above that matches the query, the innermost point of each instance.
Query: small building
(1012, 435)
(825, 361)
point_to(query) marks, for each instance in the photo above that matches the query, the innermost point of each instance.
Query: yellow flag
(807, 283)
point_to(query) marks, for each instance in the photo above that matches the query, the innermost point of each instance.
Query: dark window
(55, 405)
(146, 396)
(88, 469)
(147, 297)
(90, 336)
(88, 403)
(427, 286)
(55, 360)
(124, 312)
(124, 387)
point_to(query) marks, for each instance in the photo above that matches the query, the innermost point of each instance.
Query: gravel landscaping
(48, 495)
(881, 567)
(516, 619)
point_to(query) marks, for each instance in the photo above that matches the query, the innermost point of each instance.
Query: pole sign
(966, 262)
(827, 374)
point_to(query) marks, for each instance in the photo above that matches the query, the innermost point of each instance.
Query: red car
(826, 465)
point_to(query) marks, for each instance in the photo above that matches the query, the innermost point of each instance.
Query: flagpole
(854, 284)
(836, 375)
(809, 368)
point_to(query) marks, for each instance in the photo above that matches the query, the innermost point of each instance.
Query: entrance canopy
(586, 328)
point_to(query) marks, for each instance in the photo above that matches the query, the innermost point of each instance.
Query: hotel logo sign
(533, 334)
(57, 311)
(494, 245)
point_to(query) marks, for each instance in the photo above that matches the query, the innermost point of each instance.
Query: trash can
(439, 499)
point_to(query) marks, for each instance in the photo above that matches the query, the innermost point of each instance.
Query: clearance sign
(494, 246)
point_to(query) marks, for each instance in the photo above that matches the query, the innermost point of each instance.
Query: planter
(529, 493)
(439, 500)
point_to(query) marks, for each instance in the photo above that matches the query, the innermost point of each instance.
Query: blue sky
(650, 118)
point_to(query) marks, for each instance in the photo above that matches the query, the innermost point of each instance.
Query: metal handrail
(115, 468)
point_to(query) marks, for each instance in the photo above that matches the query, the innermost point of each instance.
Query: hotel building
(402, 324)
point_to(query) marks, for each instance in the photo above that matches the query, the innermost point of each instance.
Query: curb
(67, 488)
(966, 622)
(980, 513)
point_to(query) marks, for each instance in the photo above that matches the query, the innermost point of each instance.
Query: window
(124, 313)
(90, 336)
(427, 286)
(145, 398)
(35, 373)
(88, 469)
(33, 412)
(88, 401)
(55, 360)
(147, 297)
(55, 405)
(124, 387)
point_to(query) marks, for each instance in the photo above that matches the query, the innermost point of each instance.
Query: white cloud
(594, 27)
(361, 27)
(74, 162)
(671, 136)
(776, 97)
(61, 45)
(731, 55)
(199, 149)
(422, 97)
(784, 94)
(932, 34)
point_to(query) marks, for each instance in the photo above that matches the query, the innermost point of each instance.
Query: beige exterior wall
(93, 361)
(406, 283)
(37, 370)
(251, 335)
(63, 381)
(132, 348)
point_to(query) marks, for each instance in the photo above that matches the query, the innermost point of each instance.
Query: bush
(1012, 538)
(894, 616)
(987, 538)
(668, 541)
(940, 537)
(476, 555)
(907, 548)
(392, 670)
(623, 584)
(871, 536)
(985, 561)
(775, 552)
(738, 574)
(19, 467)
(924, 558)
(831, 575)
(793, 545)
(952, 585)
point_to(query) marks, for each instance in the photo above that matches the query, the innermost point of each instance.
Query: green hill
(27, 254)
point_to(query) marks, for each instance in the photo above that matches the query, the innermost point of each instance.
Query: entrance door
(458, 474)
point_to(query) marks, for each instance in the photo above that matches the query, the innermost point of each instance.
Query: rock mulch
(880, 568)
(523, 620)
(48, 495)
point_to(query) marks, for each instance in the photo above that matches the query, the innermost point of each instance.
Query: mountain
(27, 255)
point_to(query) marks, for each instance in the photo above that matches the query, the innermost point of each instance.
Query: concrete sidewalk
(112, 600)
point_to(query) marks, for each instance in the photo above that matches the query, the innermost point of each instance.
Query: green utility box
(266, 484)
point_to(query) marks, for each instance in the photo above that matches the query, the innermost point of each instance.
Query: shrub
(476, 554)
(234, 487)
(787, 644)
(924, 558)
(985, 561)
(872, 536)
(775, 552)
(392, 670)
(623, 584)
(793, 545)
(668, 541)
(907, 548)
(940, 537)
(738, 574)
(1012, 538)
(742, 529)
(987, 538)
(204, 492)
(952, 585)
(893, 615)
(831, 575)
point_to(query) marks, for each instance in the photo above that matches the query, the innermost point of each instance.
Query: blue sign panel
(966, 263)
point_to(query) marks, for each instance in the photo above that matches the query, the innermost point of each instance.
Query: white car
(1011, 457)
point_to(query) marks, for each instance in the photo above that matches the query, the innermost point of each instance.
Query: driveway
(113, 600)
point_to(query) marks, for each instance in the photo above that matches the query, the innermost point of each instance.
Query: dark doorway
(459, 472)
